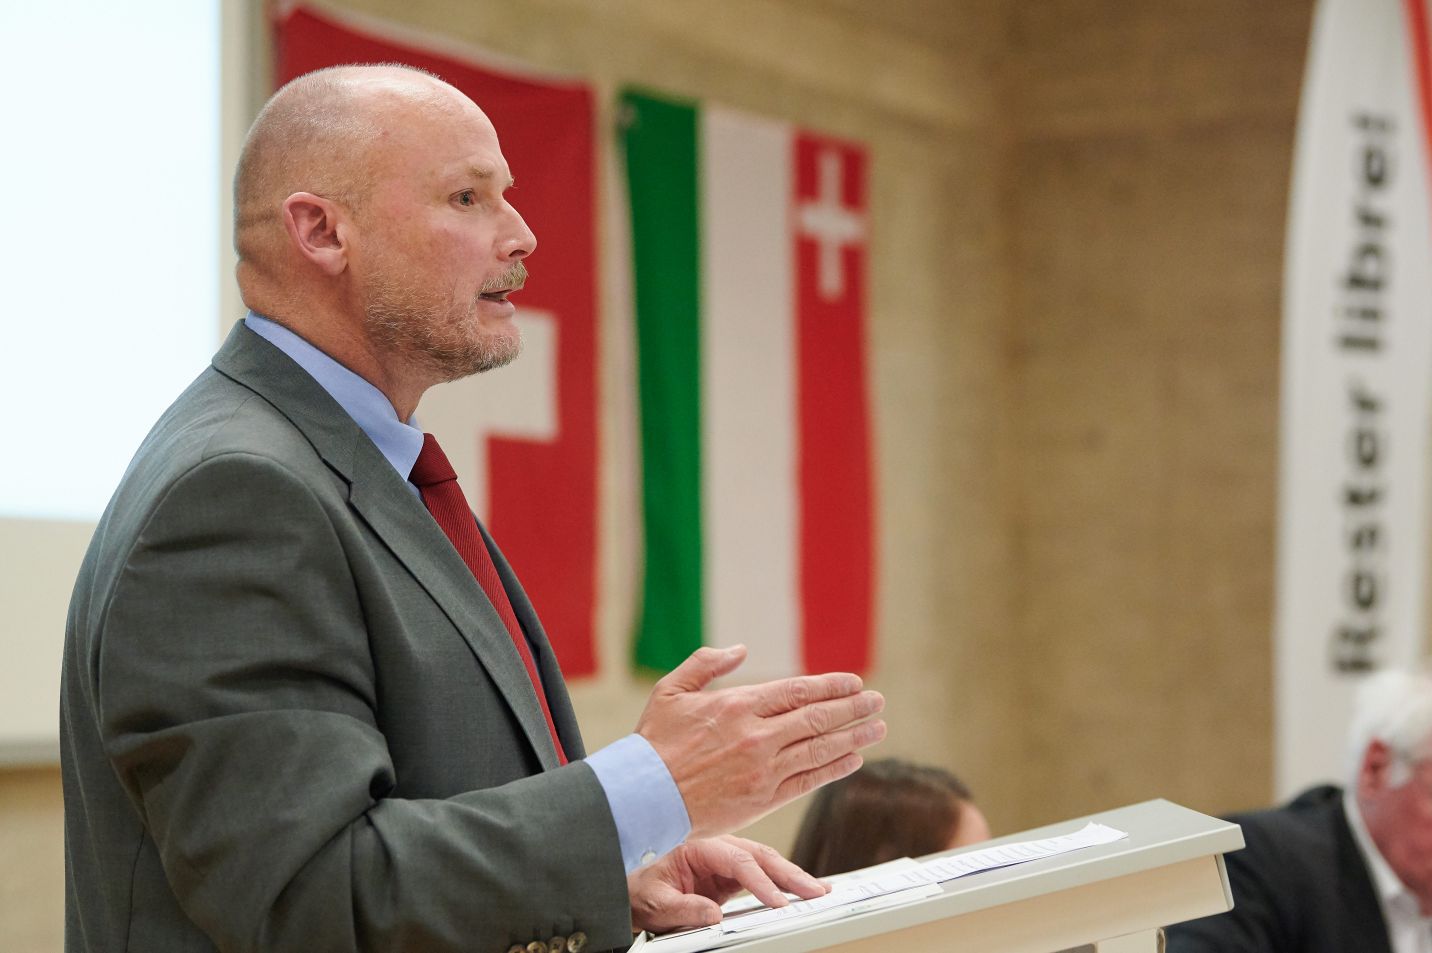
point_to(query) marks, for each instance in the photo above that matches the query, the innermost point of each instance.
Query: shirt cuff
(646, 804)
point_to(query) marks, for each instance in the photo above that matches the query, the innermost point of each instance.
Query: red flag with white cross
(523, 439)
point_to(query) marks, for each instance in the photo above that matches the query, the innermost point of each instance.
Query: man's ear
(318, 228)
(1378, 771)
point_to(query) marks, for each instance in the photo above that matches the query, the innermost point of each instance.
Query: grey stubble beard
(428, 330)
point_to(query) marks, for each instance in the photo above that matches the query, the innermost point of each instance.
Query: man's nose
(518, 242)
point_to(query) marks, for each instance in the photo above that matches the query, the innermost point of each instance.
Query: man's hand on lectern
(686, 888)
(736, 754)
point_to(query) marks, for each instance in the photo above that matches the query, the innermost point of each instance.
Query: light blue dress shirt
(650, 815)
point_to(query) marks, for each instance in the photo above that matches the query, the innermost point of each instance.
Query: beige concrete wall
(1152, 146)
(1077, 229)
(32, 861)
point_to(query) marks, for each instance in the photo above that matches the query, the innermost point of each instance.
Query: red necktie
(437, 483)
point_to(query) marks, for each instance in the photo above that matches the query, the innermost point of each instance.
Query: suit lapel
(395, 514)
(1364, 909)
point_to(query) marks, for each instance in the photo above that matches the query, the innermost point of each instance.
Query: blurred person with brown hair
(886, 810)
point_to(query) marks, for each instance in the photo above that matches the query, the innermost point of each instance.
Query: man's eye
(467, 197)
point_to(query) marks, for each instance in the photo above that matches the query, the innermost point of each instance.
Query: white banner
(1357, 348)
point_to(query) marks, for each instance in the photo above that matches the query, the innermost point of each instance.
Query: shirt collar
(1390, 888)
(399, 442)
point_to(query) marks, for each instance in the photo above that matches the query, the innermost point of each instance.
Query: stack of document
(876, 888)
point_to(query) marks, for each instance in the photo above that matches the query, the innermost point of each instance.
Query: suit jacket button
(517, 948)
(536, 946)
(577, 942)
(558, 944)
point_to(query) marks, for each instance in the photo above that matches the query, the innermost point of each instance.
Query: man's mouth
(497, 289)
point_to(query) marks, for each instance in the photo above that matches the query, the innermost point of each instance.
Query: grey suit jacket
(290, 718)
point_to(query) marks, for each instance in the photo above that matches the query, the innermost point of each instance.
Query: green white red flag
(749, 257)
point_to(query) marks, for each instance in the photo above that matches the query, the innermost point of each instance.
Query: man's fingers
(789, 694)
(784, 874)
(700, 668)
(807, 781)
(667, 908)
(741, 865)
(814, 753)
(825, 717)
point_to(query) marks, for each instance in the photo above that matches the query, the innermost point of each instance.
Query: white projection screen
(113, 253)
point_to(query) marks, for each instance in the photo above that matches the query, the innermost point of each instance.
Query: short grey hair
(1393, 706)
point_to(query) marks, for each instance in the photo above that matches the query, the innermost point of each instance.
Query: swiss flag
(523, 439)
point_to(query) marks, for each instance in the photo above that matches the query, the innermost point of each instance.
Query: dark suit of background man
(1335, 871)
(292, 717)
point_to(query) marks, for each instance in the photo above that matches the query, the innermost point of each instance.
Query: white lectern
(1113, 896)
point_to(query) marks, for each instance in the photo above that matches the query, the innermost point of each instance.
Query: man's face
(1399, 819)
(438, 246)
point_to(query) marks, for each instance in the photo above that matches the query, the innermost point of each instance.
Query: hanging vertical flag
(749, 253)
(530, 429)
(1357, 339)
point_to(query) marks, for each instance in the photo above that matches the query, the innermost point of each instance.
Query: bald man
(306, 704)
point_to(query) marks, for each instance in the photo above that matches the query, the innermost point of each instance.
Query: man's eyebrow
(484, 173)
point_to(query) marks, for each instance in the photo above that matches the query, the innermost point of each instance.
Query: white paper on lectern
(747, 902)
(711, 938)
(901, 884)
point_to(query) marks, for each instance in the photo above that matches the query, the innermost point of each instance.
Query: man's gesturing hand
(687, 887)
(738, 753)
